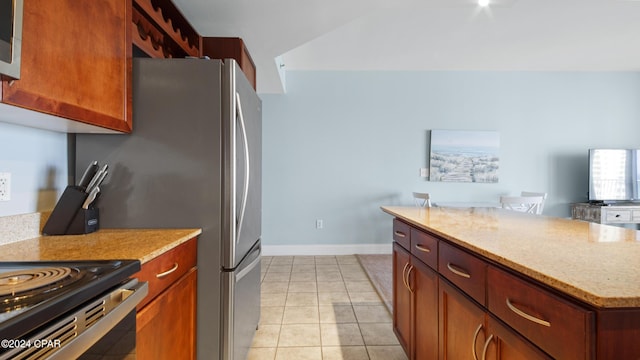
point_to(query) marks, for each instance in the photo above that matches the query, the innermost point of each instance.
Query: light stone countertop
(598, 264)
(104, 244)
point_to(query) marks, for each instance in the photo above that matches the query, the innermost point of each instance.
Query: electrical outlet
(319, 224)
(5, 186)
(424, 172)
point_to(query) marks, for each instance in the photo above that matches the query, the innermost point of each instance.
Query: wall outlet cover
(5, 186)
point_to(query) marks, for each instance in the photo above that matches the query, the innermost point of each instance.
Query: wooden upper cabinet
(76, 62)
(230, 48)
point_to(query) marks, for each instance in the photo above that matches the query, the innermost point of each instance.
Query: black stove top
(35, 293)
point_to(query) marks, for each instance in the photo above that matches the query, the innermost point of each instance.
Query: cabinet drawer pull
(527, 316)
(486, 347)
(473, 343)
(422, 248)
(400, 234)
(163, 274)
(462, 273)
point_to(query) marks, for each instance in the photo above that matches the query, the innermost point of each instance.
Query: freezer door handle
(242, 273)
(245, 192)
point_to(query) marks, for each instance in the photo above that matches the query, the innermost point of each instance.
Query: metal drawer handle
(404, 271)
(400, 234)
(163, 274)
(486, 347)
(409, 274)
(473, 343)
(527, 316)
(458, 272)
(422, 248)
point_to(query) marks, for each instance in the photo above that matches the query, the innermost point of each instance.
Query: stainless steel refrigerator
(193, 160)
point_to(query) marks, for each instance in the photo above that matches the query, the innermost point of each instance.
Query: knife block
(85, 222)
(69, 218)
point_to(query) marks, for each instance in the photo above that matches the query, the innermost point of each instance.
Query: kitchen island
(536, 287)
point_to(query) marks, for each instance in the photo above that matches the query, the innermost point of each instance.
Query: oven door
(101, 326)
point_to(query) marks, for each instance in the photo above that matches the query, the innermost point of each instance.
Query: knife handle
(88, 174)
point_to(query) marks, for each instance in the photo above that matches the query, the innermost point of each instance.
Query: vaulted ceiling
(431, 35)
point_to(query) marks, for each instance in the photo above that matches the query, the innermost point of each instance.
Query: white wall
(338, 145)
(37, 161)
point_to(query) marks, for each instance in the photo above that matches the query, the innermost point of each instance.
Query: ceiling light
(483, 3)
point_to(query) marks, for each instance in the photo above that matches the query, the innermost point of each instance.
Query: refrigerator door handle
(242, 273)
(245, 192)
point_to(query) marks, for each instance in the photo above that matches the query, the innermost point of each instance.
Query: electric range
(48, 309)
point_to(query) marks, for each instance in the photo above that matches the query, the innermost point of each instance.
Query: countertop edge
(105, 244)
(174, 244)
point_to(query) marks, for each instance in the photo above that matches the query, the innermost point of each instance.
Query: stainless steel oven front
(104, 327)
(69, 310)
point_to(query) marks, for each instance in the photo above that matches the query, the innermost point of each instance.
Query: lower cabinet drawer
(165, 269)
(425, 248)
(613, 216)
(464, 270)
(402, 234)
(561, 329)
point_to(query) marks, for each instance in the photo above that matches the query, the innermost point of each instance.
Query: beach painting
(464, 156)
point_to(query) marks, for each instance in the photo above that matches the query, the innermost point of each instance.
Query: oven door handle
(127, 298)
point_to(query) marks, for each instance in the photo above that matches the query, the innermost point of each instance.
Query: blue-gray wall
(37, 161)
(338, 145)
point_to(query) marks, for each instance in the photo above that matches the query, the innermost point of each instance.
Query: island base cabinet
(618, 334)
(401, 298)
(425, 310)
(564, 330)
(415, 314)
(166, 326)
(505, 344)
(462, 324)
(470, 332)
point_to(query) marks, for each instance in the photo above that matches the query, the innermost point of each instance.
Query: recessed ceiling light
(483, 3)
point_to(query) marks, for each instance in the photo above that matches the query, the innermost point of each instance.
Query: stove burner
(15, 282)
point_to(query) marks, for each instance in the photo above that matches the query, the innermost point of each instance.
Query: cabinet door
(166, 327)
(76, 61)
(461, 324)
(424, 281)
(505, 343)
(401, 297)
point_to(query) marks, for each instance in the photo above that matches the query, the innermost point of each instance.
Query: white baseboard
(337, 249)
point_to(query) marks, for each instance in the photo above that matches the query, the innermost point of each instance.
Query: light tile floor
(321, 307)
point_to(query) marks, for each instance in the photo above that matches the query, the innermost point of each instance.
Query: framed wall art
(464, 156)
